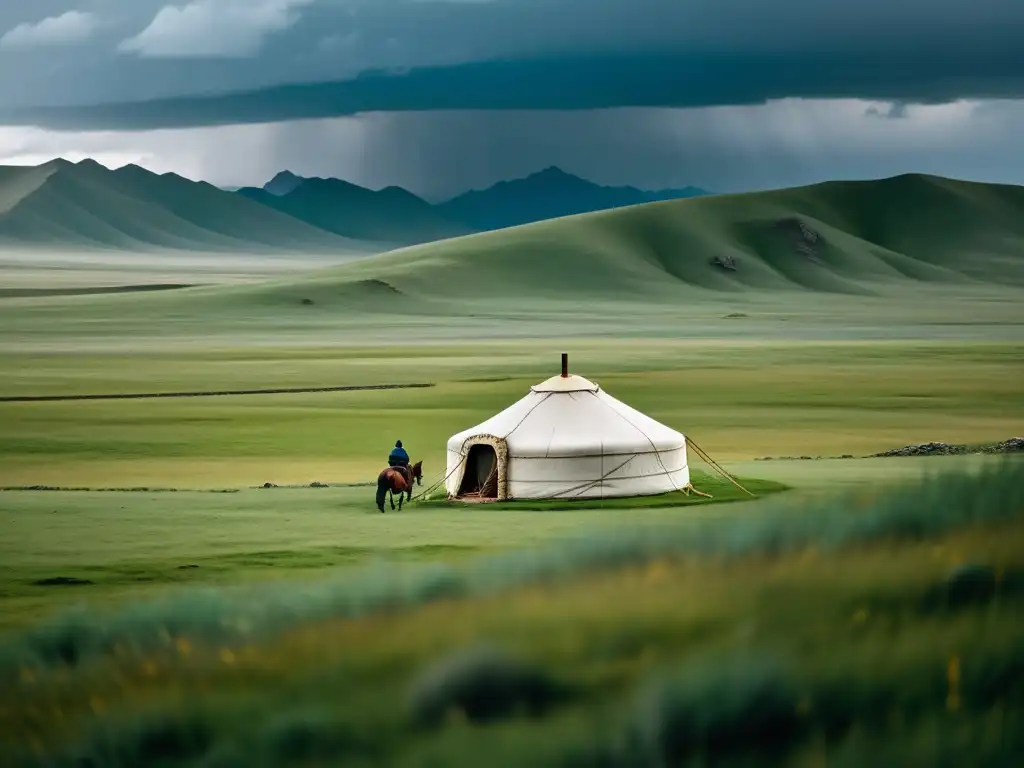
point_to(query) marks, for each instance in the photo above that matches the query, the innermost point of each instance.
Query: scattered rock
(376, 284)
(804, 239)
(269, 485)
(924, 449)
(61, 581)
(735, 315)
(315, 484)
(1013, 445)
(725, 262)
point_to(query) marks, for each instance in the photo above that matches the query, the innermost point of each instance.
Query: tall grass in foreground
(929, 506)
(738, 707)
(897, 670)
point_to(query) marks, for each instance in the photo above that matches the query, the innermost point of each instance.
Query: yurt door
(481, 476)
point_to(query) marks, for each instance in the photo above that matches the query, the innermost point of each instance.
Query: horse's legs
(392, 498)
(400, 497)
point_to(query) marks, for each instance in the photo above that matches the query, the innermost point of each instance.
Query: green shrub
(483, 684)
(149, 740)
(714, 707)
(304, 736)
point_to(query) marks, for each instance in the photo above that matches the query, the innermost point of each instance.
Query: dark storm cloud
(895, 111)
(723, 148)
(301, 58)
(440, 154)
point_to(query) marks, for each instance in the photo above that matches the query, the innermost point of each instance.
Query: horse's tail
(382, 489)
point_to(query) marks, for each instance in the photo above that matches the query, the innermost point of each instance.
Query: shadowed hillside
(281, 184)
(86, 206)
(400, 217)
(547, 194)
(840, 237)
(888, 239)
(390, 215)
(74, 206)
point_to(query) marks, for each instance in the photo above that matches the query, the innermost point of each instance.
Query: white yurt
(566, 439)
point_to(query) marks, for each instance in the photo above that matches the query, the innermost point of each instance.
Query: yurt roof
(570, 383)
(571, 416)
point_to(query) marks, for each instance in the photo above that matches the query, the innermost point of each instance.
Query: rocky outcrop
(924, 449)
(805, 240)
(1013, 445)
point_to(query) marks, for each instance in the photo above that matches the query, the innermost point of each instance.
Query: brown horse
(398, 480)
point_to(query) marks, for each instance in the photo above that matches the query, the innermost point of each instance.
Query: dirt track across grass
(221, 393)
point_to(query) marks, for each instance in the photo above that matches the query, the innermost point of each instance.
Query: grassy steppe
(821, 631)
(739, 401)
(61, 548)
(906, 328)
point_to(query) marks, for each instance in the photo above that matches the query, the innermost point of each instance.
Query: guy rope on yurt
(562, 450)
(465, 456)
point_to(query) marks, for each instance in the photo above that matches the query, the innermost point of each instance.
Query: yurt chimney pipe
(565, 365)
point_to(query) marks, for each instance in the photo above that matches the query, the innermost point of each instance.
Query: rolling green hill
(76, 206)
(86, 206)
(905, 243)
(866, 237)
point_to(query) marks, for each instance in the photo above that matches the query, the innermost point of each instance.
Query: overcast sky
(442, 95)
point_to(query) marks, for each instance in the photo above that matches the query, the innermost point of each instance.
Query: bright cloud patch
(68, 28)
(213, 28)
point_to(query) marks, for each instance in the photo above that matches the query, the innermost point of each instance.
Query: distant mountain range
(390, 215)
(548, 194)
(396, 214)
(87, 205)
(84, 205)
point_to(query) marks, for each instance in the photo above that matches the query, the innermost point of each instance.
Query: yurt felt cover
(567, 438)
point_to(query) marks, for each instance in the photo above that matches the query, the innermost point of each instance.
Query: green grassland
(800, 632)
(739, 401)
(168, 539)
(905, 328)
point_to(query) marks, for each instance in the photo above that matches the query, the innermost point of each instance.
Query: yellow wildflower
(953, 680)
